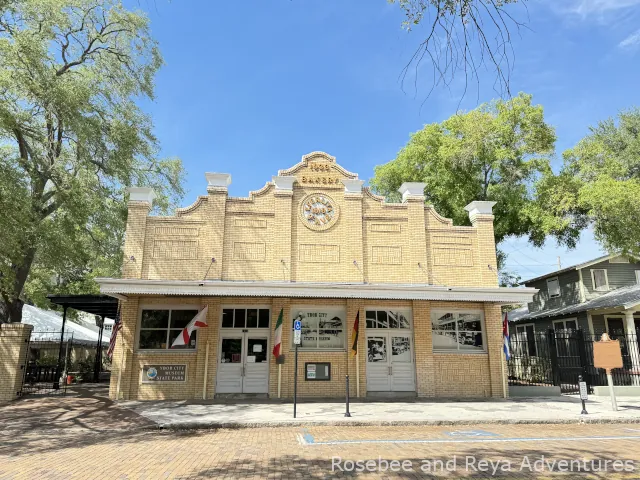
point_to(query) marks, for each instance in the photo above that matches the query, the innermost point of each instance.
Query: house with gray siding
(602, 295)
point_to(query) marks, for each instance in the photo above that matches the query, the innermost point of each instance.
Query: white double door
(243, 361)
(390, 363)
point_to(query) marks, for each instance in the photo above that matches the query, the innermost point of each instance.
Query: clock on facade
(318, 211)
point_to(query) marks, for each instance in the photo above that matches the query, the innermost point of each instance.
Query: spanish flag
(354, 335)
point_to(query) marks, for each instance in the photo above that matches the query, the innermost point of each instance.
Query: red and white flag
(200, 320)
(277, 344)
(114, 334)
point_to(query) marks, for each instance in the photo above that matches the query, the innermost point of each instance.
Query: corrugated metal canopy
(102, 305)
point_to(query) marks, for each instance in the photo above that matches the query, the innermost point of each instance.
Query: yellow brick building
(316, 246)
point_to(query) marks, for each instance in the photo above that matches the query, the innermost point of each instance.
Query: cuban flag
(505, 337)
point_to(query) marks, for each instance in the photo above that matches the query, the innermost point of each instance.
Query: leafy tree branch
(72, 139)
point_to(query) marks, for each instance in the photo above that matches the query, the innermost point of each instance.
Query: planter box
(620, 391)
(533, 391)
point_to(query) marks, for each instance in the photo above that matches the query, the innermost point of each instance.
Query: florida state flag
(200, 320)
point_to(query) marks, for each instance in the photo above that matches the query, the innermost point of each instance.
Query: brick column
(208, 335)
(493, 326)
(216, 211)
(140, 201)
(283, 198)
(351, 215)
(121, 381)
(415, 253)
(481, 216)
(353, 307)
(278, 303)
(14, 343)
(423, 344)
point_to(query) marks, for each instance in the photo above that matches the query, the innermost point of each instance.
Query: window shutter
(553, 286)
(599, 279)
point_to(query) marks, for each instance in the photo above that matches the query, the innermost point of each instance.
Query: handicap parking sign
(297, 325)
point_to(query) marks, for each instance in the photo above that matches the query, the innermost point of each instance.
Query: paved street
(84, 435)
(298, 452)
(90, 438)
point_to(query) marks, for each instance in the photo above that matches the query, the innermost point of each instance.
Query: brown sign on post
(606, 354)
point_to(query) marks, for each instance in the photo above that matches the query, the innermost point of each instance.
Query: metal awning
(102, 305)
(367, 291)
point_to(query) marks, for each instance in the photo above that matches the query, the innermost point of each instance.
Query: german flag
(354, 335)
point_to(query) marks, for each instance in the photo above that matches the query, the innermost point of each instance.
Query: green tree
(599, 183)
(495, 152)
(72, 138)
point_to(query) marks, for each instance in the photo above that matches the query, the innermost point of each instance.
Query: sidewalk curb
(393, 423)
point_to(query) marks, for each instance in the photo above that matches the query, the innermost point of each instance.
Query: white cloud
(588, 7)
(632, 41)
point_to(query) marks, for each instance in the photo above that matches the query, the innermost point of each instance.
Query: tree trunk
(11, 312)
(10, 302)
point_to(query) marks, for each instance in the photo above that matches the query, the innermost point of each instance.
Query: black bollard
(347, 414)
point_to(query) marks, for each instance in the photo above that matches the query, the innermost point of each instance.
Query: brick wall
(437, 375)
(14, 342)
(265, 237)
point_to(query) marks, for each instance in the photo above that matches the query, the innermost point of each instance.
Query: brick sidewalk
(279, 453)
(86, 409)
(90, 437)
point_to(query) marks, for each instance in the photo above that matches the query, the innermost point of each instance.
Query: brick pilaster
(135, 238)
(14, 343)
(120, 386)
(493, 326)
(423, 344)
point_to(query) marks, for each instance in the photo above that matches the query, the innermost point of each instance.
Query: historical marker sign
(607, 355)
(164, 373)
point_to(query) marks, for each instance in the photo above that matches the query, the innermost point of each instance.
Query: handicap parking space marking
(306, 439)
(472, 433)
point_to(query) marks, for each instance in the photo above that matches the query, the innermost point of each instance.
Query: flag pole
(122, 347)
(206, 367)
(279, 379)
(358, 374)
(504, 380)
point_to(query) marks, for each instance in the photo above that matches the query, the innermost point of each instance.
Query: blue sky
(250, 87)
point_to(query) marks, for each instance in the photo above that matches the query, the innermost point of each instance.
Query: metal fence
(559, 357)
(46, 363)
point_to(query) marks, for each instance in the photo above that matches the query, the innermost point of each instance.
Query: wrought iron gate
(46, 364)
(559, 357)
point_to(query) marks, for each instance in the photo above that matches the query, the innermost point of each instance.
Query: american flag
(114, 334)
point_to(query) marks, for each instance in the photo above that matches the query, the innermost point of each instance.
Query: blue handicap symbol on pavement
(472, 433)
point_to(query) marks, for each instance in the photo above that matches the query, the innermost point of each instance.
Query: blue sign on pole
(297, 325)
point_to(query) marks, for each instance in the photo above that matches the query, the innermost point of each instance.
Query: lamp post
(97, 366)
